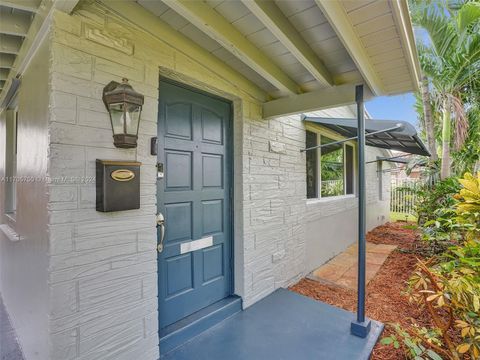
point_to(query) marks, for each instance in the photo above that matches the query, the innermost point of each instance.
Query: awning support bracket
(395, 159)
(396, 127)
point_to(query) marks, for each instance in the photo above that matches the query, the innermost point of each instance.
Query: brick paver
(342, 269)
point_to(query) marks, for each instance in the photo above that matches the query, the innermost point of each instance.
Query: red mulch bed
(385, 301)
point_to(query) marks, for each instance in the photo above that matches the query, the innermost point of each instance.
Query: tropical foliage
(446, 280)
(447, 285)
(450, 61)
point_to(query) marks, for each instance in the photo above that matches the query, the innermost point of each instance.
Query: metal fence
(403, 195)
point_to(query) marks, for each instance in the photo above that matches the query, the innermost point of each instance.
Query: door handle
(161, 225)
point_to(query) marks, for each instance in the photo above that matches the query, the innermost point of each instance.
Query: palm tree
(452, 62)
(428, 119)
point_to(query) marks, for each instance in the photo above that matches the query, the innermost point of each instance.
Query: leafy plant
(413, 343)
(450, 292)
(447, 285)
(442, 231)
(468, 208)
(433, 198)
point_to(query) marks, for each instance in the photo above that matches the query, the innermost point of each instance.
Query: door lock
(160, 173)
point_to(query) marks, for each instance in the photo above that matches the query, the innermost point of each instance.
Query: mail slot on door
(118, 185)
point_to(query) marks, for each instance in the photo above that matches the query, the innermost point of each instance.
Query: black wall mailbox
(118, 185)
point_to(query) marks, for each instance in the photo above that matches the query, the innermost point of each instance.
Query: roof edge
(401, 14)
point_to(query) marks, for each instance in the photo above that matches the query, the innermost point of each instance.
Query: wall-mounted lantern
(124, 106)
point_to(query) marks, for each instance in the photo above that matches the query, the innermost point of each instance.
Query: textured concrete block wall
(103, 271)
(274, 204)
(102, 265)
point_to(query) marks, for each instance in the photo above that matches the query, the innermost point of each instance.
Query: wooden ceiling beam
(274, 20)
(219, 29)
(136, 15)
(337, 16)
(316, 100)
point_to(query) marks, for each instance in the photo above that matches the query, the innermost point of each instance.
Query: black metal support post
(361, 327)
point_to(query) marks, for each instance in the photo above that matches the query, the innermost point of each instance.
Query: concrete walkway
(342, 269)
(9, 349)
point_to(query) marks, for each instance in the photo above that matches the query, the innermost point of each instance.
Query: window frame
(321, 131)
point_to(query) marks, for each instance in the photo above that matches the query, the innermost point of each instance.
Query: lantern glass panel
(116, 115)
(132, 116)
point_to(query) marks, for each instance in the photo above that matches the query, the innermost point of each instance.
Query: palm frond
(443, 34)
(467, 15)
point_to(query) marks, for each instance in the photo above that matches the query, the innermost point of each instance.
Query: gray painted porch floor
(9, 349)
(282, 326)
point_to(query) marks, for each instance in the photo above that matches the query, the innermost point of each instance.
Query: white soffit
(23, 25)
(15, 20)
(288, 48)
(310, 45)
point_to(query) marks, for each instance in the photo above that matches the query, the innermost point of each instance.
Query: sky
(400, 107)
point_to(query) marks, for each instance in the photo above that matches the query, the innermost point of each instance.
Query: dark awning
(404, 138)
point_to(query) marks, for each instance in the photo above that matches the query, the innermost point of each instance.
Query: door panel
(194, 197)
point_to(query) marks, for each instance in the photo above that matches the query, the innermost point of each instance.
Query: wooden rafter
(136, 15)
(338, 19)
(220, 30)
(275, 21)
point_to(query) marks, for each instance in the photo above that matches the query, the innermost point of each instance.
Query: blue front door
(194, 148)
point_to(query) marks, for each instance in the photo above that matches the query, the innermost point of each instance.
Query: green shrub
(433, 198)
(468, 208)
(448, 285)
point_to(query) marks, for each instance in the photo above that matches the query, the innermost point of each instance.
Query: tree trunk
(476, 167)
(446, 125)
(427, 114)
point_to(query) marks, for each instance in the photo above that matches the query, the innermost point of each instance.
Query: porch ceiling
(15, 20)
(305, 54)
(297, 50)
(21, 26)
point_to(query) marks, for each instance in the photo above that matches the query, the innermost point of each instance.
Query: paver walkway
(342, 269)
